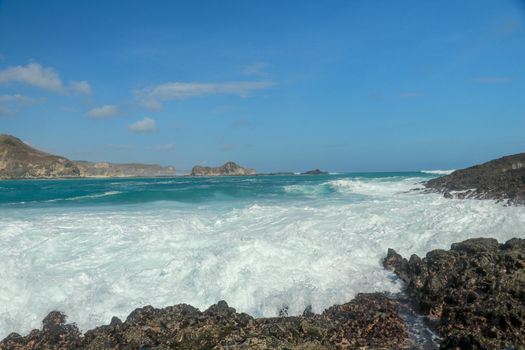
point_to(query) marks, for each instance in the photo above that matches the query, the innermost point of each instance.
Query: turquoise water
(97, 248)
(80, 192)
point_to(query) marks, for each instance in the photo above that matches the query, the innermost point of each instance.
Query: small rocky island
(227, 169)
(18, 160)
(314, 172)
(501, 179)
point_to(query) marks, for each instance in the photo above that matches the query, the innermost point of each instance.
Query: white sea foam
(98, 195)
(438, 172)
(93, 263)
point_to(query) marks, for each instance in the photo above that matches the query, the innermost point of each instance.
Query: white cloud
(144, 125)
(102, 112)
(256, 68)
(152, 97)
(18, 99)
(33, 74)
(80, 87)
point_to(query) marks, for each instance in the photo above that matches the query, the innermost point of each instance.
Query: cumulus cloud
(142, 126)
(33, 74)
(102, 112)
(494, 80)
(256, 68)
(152, 97)
(80, 87)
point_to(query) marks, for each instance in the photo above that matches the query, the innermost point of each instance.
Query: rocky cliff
(501, 179)
(21, 161)
(18, 160)
(228, 169)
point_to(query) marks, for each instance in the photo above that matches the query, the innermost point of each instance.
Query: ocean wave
(375, 187)
(89, 196)
(258, 256)
(438, 172)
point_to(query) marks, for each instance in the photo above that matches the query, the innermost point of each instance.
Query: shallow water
(99, 248)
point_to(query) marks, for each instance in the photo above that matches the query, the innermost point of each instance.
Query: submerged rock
(369, 321)
(501, 179)
(475, 291)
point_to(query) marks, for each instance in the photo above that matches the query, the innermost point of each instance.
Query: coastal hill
(227, 169)
(91, 169)
(501, 179)
(18, 160)
(21, 161)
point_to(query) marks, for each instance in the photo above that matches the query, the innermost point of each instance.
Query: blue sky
(276, 85)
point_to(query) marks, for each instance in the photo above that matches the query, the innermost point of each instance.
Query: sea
(97, 248)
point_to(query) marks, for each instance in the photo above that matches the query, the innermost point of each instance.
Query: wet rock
(475, 291)
(369, 321)
(502, 179)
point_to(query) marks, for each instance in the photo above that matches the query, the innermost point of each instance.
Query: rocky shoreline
(501, 179)
(473, 294)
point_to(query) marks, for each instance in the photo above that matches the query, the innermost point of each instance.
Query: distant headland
(18, 160)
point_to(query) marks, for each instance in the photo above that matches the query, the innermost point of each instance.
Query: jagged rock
(227, 169)
(501, 179)
(369, 321)
(475, 291)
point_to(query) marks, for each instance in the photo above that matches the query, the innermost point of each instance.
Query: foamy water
(259, 243)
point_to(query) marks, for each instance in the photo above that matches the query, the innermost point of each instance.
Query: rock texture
(314, 172)
(501, 179)
(21, 161)
(475, 291)
(90, 169)
(370, 321)
(228, 169)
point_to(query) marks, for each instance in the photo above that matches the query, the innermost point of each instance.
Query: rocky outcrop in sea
(227, 169)
(502, 179)
(314, 172)
(475, 292)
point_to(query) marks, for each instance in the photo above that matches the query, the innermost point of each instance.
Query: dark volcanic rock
(475, 291)
(314, 172)
(369, 321)
(501, 179)
(227, 169)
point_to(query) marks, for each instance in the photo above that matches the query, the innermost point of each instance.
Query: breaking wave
(290, 241)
